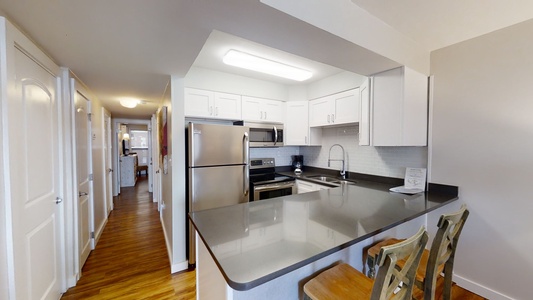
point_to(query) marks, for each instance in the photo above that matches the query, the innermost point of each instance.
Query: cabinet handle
(261, 115)
(328, 118)
(216, 111)
(210, 110)
(266, 115)
(332, 118)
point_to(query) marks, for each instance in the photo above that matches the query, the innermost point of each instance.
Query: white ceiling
(129, 48)
(439, 23)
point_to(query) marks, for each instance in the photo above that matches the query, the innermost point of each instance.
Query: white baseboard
(479, 289)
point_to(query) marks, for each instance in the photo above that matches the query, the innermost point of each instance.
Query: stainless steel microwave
(264, 134)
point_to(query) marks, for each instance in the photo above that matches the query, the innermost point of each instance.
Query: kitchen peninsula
(268, 249)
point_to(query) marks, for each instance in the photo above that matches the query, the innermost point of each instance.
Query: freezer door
(214, 187)
(216, 145)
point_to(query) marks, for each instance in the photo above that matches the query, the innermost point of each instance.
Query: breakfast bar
(268, 249)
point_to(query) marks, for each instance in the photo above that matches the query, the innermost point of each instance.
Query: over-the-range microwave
(264, 134)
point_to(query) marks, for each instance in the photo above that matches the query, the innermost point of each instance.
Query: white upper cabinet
(338, 109)
(262, 110)
(399, 108)
(208, 104)
(297, 131)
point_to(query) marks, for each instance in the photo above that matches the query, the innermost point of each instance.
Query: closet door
(34, 179)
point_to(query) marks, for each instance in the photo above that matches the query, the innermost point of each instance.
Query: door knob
(58, 200)
(82, 194)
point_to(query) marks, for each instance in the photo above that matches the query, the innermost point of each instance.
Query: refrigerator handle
(275, 135)
(246, 146)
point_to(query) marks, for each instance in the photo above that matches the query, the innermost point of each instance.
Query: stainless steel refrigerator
(217, 166)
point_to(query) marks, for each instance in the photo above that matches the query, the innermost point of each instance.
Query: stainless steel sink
(323, 178)
(330, 179)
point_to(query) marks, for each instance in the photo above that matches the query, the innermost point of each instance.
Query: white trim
(115, 155)
(479, 289)
(182, 266)
(430, 126)
(6, 195)
(108, 156)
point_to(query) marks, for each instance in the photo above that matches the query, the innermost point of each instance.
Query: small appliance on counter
(297, 163)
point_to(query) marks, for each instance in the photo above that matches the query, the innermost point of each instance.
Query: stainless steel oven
(265, 183)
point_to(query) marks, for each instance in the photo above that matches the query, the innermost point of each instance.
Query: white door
(83, 167)
(155, 161)
(108, 163)
(34, 178)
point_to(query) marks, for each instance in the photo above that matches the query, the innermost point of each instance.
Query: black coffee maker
(297, 163)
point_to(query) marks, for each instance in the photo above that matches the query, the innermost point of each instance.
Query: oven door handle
(273, 187)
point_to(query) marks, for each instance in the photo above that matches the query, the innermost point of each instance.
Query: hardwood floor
(131, 261)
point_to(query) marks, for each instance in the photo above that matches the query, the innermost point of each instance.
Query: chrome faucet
(343, 173)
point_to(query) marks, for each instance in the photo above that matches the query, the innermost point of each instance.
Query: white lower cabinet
(303, 186)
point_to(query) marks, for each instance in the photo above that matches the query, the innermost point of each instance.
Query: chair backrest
(442, 251)
(389, 277)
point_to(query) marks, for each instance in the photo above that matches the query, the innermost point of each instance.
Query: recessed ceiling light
(263, 65)
(129, 102)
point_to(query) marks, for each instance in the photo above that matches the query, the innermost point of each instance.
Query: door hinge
(89, 116)
(90, 177)
(92, 234)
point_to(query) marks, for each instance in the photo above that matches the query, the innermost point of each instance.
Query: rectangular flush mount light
(263, 65)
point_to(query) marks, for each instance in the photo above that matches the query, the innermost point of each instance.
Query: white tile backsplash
(382, 161)
(281, 154)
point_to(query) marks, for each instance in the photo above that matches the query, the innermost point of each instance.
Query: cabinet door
(320, 112)
(399, 108)
(387, 108)
(297, 123)
(227, 106)
(251, 109)
(272, 110)
(198, 103)
(346, 107)
(364, 120)
(305, 187)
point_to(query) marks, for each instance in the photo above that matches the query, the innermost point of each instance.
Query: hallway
(130, 260)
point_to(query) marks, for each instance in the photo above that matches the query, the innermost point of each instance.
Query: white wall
(334, 84)
(177, 172)
(234, 84)
(483, 142)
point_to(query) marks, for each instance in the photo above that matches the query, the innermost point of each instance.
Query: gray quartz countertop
(253, 243)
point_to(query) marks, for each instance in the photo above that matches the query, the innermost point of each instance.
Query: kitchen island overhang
(255, 243)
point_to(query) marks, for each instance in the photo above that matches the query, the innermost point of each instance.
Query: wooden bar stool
(345, 282)
(439, 259)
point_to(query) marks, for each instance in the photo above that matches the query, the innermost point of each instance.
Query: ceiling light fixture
(128, 102)
(263, 65)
